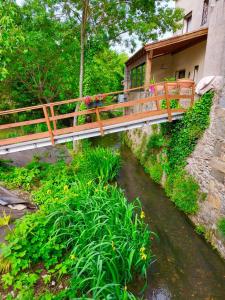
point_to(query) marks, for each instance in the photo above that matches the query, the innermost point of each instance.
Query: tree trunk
(82, 49)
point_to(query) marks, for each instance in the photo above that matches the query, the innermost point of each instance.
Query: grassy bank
(164, 154)
(85, 241)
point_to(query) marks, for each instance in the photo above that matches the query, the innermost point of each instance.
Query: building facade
(195, 51)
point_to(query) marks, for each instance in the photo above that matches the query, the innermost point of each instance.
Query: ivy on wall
(167, 149)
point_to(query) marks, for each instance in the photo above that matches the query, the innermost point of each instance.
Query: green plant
(200, 229)
(156, 141)
(221, 226)
(186, 132)
(156, 172)
(169, 149)
(174, 103)
(20, 178)
(85, 232)
(5, 219)
(170, 79)
(183, 191)
(155, 128)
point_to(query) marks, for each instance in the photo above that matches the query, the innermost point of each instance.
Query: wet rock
(17, 206)
(3, 203)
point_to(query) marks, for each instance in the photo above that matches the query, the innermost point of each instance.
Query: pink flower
(152, 89)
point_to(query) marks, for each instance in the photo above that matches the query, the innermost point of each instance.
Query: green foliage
(140, 19)
(174, 103)
(156, 141)
(10, 36)
(5, 219)
(156, 172)
(85, 232)
(200, 229)
(100, 163)
(183, 191)
(170, 79)
(19, 178)
(221, 226)
(46, 66)
(104, 71)
(187, 132)
(167, 151)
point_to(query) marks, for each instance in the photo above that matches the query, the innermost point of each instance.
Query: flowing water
(186, 266)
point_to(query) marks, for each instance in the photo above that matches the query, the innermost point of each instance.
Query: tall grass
(85, 233)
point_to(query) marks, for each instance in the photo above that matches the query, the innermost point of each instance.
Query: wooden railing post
(168, 102)
(99, 120)
(48, 125)
(156, 94)
(53, 115)
(193, 95)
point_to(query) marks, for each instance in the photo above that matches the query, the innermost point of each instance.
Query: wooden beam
(99, 121)
(177, 39)
(53, 115)
(48, 125)
(24, 123)
(168, 102)
(148, 68)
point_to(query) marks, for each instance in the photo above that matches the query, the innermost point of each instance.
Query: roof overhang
(171, 45)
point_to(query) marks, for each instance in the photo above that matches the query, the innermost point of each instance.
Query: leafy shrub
(170, 149)
(187, 131)
(156, 172)
(85, 233)
(20, 178)
(200, 229)
(184, 191)
(221, 226)
(156, 141)
(174, 103)
(100, 163)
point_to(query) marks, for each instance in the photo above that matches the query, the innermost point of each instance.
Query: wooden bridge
(157, 103)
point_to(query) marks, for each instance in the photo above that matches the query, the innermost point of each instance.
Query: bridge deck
(154, 106)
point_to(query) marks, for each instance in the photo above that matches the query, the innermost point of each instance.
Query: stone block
(218, 164)
(214, 201)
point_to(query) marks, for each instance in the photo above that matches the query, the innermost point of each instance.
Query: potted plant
(185, 83)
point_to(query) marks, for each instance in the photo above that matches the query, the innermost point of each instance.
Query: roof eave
(166, 42)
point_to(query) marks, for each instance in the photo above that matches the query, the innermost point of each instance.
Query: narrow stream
(186, 266)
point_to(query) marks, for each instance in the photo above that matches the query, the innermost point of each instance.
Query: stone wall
(207, 166)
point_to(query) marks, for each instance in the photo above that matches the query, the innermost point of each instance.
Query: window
(180, 74)
(187, 22)
(195, 77)
(138, 76)
(205, 12)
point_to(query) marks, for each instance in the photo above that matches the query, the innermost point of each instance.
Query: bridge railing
(164, 97)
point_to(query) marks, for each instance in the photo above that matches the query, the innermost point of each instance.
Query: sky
(122, 48)
(19, 2)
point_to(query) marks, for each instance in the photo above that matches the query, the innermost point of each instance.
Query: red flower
(87, 100)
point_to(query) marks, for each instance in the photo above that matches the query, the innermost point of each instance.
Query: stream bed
(186, 266)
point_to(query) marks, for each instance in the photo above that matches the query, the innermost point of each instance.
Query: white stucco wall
(161, 67)
(196, 7)
(166, 66)
(188, 59)
(215, 51)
